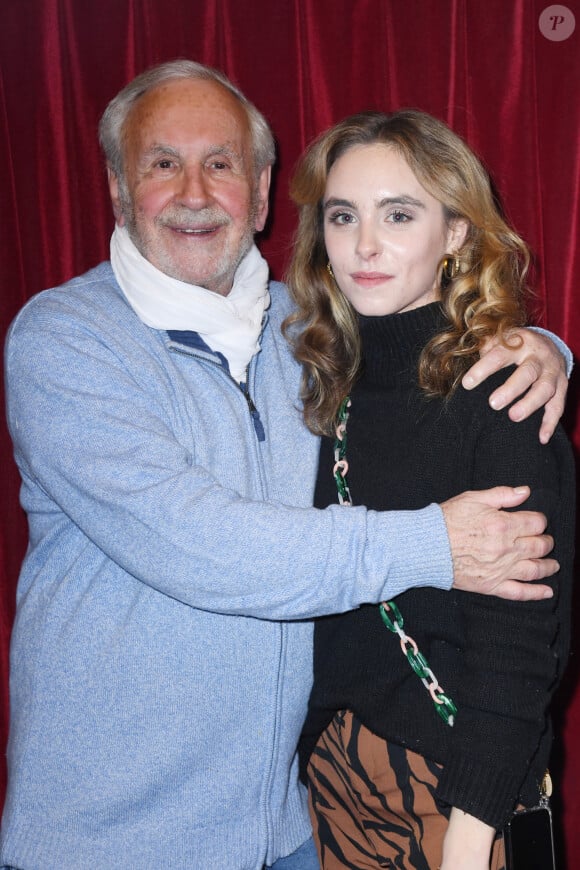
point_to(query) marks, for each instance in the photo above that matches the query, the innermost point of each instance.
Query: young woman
(418, 750)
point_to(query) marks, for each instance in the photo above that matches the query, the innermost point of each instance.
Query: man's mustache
(188, 219)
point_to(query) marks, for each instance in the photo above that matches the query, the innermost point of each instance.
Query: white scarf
(228, 324)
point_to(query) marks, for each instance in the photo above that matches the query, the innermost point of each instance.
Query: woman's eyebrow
(404, 199)
(334, 201)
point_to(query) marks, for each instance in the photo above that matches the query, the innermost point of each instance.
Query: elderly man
(162, 651)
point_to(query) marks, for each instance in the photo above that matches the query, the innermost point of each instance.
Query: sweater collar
(393, 343)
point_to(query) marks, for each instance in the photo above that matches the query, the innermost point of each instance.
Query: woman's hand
(541, 372)
(467, 843)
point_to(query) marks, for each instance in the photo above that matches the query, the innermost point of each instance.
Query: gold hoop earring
(451, 267)
(330, 272)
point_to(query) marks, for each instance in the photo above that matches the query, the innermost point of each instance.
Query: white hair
(115, 115)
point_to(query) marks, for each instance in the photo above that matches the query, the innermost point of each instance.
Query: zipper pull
(251, 406)
(255, 414)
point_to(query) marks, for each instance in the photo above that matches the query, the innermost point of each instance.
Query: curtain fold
(484, 68)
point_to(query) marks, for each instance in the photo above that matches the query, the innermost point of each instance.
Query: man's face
(189, 198)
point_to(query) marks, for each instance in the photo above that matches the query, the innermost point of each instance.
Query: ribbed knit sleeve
(514, 652)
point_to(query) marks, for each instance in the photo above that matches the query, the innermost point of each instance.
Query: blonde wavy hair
(485, 300)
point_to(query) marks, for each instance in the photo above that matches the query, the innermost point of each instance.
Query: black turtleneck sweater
(498, 660)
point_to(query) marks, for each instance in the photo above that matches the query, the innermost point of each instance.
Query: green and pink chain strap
(390, 613)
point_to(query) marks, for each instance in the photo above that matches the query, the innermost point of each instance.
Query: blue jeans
(304, 858)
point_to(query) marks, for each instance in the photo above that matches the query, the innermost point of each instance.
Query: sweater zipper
(261, 435)
(249, 400)
(244, 390)
(254, 413)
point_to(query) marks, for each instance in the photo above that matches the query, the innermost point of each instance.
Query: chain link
(390, 613)
(340, 469)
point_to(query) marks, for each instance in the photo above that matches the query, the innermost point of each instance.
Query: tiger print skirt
(373, 803)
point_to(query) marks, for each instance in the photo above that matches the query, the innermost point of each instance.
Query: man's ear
(262, 191)
(115, 197)
(456, 234)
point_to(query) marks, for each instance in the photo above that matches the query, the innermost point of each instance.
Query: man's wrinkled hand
(495, 552)
(540, 378)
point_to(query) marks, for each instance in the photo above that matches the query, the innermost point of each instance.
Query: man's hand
(492, 550)
(541, 371)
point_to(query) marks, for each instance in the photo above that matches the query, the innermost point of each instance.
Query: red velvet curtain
(485, 68)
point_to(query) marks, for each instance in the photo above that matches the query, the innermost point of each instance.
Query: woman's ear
(457, 230)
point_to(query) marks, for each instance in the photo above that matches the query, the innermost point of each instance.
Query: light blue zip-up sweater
(161, 654)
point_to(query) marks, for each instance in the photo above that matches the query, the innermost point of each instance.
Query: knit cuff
(488, 793)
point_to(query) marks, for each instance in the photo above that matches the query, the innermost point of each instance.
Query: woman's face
(385, 235)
